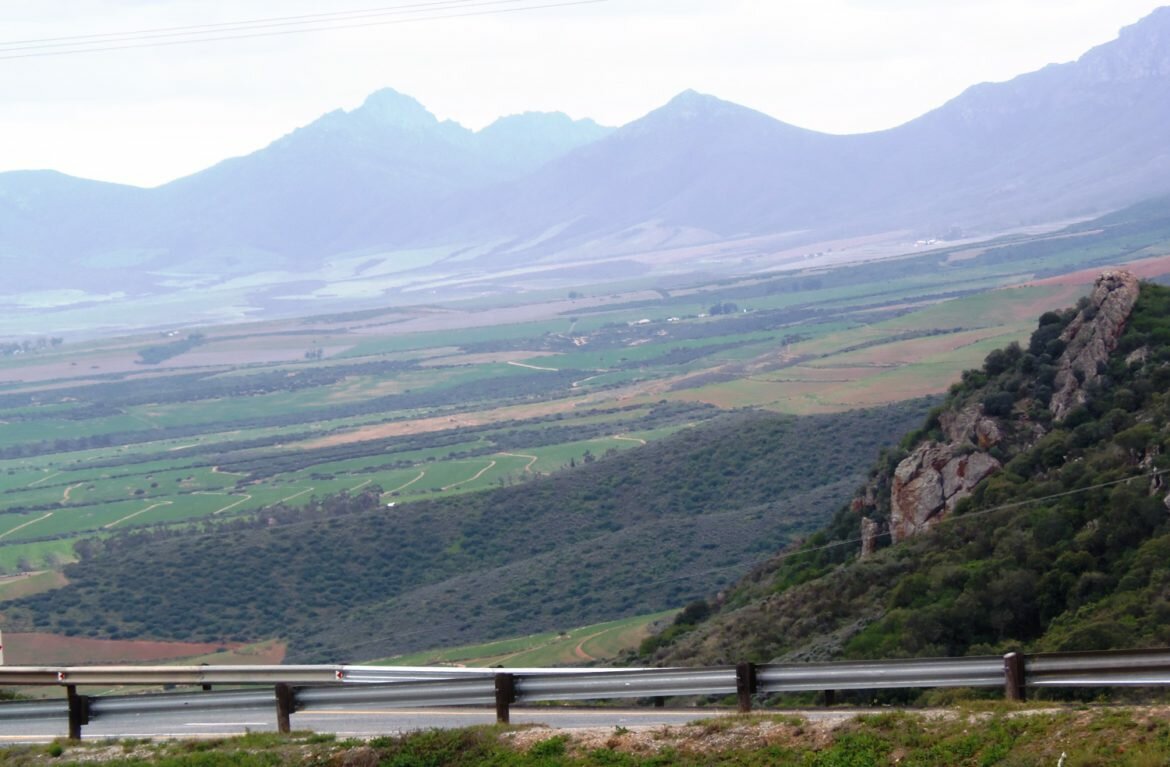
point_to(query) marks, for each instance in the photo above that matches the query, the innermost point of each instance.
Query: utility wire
(358, 13)
(798, 552)
(145, 39)
(970, 515)
(247, 25)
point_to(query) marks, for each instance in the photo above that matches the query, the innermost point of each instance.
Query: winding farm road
(45, 478)
(477, 475)
(296, 495)
(135, 514)
(26, 524)
(421, 474)
(68, 490)
(533, 367)
(531, 459)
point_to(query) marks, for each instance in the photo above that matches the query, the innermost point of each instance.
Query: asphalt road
(349, 723)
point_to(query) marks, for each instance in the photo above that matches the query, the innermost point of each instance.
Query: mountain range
(385, 199)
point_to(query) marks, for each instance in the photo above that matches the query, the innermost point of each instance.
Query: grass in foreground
(1006, 736)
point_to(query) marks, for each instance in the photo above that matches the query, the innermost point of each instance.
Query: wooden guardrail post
(286, 706)
(745, 685)
(78, 711)
(1013, 676)
(505, 697)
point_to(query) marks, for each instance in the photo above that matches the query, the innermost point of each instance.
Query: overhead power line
(274, 26)
(268, 21)
(771, 560)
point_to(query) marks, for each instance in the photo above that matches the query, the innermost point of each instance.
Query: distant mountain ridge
(388, 192)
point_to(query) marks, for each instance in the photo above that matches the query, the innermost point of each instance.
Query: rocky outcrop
(871, 531)
(1090, 338)
(969, 425)
(930, 482)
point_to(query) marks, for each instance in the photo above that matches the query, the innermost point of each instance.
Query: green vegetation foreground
(1003, 737)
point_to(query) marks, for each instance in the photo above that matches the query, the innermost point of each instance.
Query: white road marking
(227, 724)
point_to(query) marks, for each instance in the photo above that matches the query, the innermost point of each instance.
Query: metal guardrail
(245, 674)
(985, 671)
(644, 683)
(1133, 668)
(114, 705)
(412, 687)
(474, 691)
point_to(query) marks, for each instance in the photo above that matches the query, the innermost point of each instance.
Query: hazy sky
(148, 115)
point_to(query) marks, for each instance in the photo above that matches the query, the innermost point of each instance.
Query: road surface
(356, 723)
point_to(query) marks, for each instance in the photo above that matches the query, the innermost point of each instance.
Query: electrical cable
(102, 37)
(145, 42)
(835, 544)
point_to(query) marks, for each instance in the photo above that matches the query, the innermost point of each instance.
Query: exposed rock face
(970, 425)
(930, 482)
(870, 531)
(1091, 337)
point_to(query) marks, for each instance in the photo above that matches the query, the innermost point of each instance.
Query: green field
(587, 644)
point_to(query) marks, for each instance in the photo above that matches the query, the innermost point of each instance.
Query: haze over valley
(386, 205)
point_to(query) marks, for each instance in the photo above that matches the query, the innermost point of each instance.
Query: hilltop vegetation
(1064, 548)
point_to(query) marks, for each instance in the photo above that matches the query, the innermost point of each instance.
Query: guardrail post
(286, 705)
(745, 685)
(830, 698)
(1013, 676)
(78, 711)
(505, 696)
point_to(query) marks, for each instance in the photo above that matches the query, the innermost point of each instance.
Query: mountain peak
(690, 106)
(1141, 51)
(389, 107)
(691, 101)
(532, 121)
(531, 139)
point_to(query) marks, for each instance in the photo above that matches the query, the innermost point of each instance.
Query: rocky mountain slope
(1032, 509)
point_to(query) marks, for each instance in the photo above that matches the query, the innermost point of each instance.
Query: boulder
(930, 482)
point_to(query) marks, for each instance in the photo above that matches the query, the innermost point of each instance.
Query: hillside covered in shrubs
(348, 578)
(1029, 511)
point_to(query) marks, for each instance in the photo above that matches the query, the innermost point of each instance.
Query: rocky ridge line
(928, 484)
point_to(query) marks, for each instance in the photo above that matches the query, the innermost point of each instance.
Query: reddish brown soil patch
(1145, 269)
(265, 654)
(479, 418)
(52, 650)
